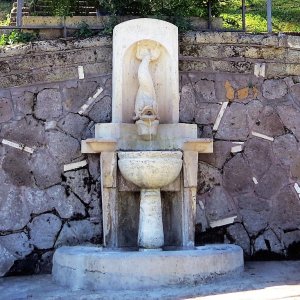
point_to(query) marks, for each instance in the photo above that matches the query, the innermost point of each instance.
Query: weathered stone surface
(82, 185)
(74, 124)
(295, 166)
(238, 120)
(187, 104)
(75, 97)
(285, 209)
(24, 102)
(17, 167)
(290, 117)
(218, 204)
(257, 151)
(268, 241)
(101, 110)
(221, 153)
(206, 113)
(200, 213)
(67, 205)
(205, 91)
(272, 181)
(285, 149)
(6, 110)
(78, 232)
(291, 237)
(237, 176)
(27, 131)
(43, 230)
(45, 263)
(6, 260)
(239, 235)
(45, 169)
(295, 92)
(94, 165)
(62, 147)
(269, 123)
(17, 244)
(48, 104)
(208, 177)
(274, 89)
(254, 212)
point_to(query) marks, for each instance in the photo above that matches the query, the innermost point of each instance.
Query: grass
(285, 15)
(5, 8)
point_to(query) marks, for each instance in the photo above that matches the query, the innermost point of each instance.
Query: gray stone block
(43, 230)
(274, 89)
(6, 260)
(6, 110)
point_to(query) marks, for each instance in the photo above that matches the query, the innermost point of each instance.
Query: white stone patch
(257, 134)
(220, 115)
(18, 146)
(90, 101)
(50, 125)
(238, 143)
(201, 204)
(80, 72)
(222, 222)
(74, 166)
(254, 180)
(236, 149)
(260, 70)
(297, 188)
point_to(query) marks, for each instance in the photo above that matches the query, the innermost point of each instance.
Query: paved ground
(260, 281)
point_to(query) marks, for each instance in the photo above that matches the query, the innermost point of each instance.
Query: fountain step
(86, 267)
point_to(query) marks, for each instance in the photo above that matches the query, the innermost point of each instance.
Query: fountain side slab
(97, 269)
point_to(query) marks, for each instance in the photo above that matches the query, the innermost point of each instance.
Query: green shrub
(17, 36)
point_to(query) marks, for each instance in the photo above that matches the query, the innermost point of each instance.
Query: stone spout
(146, 109)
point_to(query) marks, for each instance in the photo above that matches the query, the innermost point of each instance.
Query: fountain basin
(150, 169)
(85, 267)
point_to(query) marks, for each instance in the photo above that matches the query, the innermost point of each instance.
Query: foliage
(5, 8)
(17, 36)
(285, 15)
(84, 31)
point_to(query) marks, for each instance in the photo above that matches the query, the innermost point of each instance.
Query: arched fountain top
(164, 70)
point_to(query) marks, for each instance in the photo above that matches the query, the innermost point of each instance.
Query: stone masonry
(248, 189)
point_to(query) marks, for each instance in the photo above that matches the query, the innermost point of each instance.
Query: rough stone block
(205, 90)
(239, 235)
(187, 104)
(101, 111)
(6, 110)
(274, 89)
(43, 230)
(48, 104)
(78, 232)
(290, 117)
(208, 177)
(6, 260)
(206, 113)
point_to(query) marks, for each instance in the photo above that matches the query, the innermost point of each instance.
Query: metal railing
(20, 4)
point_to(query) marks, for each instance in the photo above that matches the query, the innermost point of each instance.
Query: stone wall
(45, 202)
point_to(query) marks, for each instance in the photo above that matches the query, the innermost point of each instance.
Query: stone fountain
(149, 166)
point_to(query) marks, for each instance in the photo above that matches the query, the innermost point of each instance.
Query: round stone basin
(150, 169)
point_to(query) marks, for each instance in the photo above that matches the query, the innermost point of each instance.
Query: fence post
(269, 15)
(19, 12)
(244, 15)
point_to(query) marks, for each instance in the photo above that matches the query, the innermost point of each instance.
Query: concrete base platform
(93, 268)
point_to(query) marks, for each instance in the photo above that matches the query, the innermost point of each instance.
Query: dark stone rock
(208, 177)
(17, 167)
(269, 242)
(291, 237)
(6, 110)
(74, 124)
(101, 111)
(94, 166)
(17, 244)
(285, 209)
(237, 176)
(239, 235)
(206, 113)
(205, 91)
(271, 182)
(274, 89)
(62, 147)
(295, 93)
(45, 169)
(78, 232)
(43, 230)
(290, 117)
(24, 103)
(218, 204)
(269, 123)
(295, 166)
(237, 121)
(221, 153)
(45, 263)
(285, 149)
(66, 204)
(48, 104)
(187, 104)
(256, 151)
(27, 131)
(6, 260)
